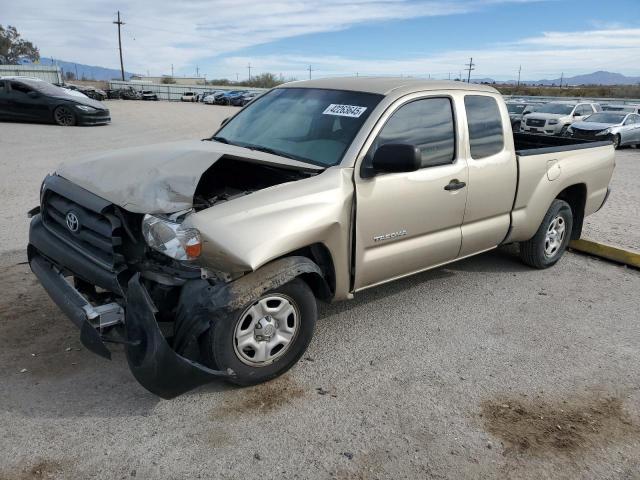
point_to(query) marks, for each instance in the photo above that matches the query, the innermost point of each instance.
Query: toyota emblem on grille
(73, 223)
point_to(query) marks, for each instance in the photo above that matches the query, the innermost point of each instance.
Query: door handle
(455, 184)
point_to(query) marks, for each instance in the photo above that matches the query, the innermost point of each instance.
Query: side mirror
(225, 121)
(396, 157)
(577, 114)
(33, 94)
(526, 113)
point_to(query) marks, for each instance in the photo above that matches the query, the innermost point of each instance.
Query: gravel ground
(482, 369)
(618, 223)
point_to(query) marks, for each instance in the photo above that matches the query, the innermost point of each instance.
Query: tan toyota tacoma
(205, 258)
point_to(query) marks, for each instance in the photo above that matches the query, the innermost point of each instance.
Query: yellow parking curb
(602, 250)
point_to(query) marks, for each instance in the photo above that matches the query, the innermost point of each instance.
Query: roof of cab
(387, 85)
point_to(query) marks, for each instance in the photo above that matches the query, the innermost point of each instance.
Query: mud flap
(152, 361)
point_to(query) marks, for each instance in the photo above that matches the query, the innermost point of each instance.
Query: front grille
(97, 234)
(585, 134)
(534, 122)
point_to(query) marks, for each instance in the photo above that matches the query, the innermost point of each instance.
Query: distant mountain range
(89, 72)
(595, 78)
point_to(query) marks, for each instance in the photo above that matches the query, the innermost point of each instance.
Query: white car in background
(188, 97)
(556, 117)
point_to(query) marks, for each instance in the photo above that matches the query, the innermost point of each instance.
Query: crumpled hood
(593, 125)
(159, 178)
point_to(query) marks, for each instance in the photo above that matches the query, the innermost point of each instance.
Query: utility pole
(249, 67)
(561, 79)
(76, 65)
(237, 77)
(172, 70)
(469, 68)
(449, 75)
(120, 23)
(197, 71)
(519, 72)
(310, 72)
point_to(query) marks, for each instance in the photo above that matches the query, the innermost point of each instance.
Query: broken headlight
(171, 238)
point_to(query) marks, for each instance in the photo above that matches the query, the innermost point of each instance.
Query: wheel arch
(322, 283)
(576, 196)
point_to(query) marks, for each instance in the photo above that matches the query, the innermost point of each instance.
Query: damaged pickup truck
(204, 259)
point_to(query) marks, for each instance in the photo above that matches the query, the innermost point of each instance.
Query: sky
(423, 38)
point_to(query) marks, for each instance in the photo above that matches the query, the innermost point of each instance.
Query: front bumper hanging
(153, 362)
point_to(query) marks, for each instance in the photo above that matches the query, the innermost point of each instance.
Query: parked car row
(619, 124)
(91, 92)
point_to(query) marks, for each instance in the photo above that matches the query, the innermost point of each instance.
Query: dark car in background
(91, 92)
(517, 111)
(242, 100)
(227, 97)
(30, 99)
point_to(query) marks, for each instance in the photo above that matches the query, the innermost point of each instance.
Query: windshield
(558, 108)
(312, 125)
(515, 107)
(606, 118)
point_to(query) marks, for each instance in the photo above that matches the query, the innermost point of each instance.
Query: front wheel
(616, 141)
(266, 337)
(64, 116)
(550, 241)
(563, 131)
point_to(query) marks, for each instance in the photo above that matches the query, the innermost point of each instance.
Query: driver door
(407, 222)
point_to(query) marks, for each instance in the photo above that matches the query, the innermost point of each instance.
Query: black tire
(616, 141)
(218, 343)
(532, 252)
(563, 131)
(517, 126)
(64, 116)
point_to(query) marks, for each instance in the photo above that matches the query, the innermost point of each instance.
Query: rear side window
(426, 124)
(485, 126)
(20, 87)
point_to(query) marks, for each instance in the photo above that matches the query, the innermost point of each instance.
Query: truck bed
(532, 144)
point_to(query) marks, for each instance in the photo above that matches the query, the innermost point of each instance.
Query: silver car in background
(556, 117)
(621, 108)
(620, 127)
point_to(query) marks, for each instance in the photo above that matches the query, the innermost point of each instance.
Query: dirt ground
(481, 369)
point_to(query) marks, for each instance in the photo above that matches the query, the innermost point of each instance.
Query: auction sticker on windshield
(344, 110)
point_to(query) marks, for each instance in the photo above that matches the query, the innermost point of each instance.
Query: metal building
(48, 73)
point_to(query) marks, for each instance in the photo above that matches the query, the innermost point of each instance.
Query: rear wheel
(550, 241)
(64, 116)
(266, 337)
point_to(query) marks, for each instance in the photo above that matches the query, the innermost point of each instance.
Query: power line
(469, 68)
(120, 23)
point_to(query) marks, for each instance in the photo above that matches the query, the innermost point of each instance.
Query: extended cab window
(426, 124)
(485, 126)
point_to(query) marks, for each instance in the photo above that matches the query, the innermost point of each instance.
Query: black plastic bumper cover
(152, 361)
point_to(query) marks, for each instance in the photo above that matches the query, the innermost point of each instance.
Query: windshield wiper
(260, 148)
(220, 139)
